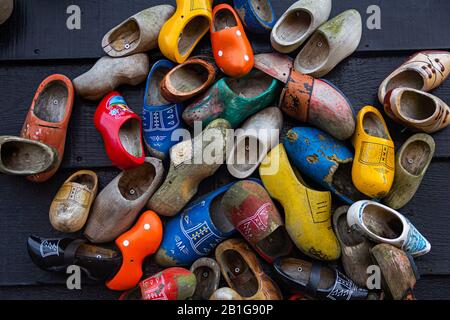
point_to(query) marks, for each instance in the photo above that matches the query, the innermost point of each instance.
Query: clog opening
(188, 78)
(107, 260)
(51, 103)
(342, 182)
(406, 78)
(381, 222)
(206, 283)
(125, 37)
(240, 274)
(277, 244)
(417, 106)
(348, 236)
(224, 19)
(251, 86)
(373, 126)
(314, 54)
(218, 217)
(23, 156)
(416, 157)
(263, 9)
(154, 96)
(247, 153)
(85, 179)
(294, 26)
(130, 137)
(300, 271)
(192, 32)
(135, 182)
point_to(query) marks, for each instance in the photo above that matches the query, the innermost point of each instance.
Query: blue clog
(324, 159)
(258, 16)
(160, 118)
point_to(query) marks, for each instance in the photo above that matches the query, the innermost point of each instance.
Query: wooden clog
(181, 33)
(417, 110)
(70, 207)
(24, 157)
(207, 273)
(189, 78)
(48, 118)
(232, 50)
(424, 71)
(109, 73)
(6, 9)
(225, 293)
(258, 16)
(374, 166)
(385, 225)
(243, 273)
(299, 21)
(258, 135)
(137, 34)
(188, 167)
(276, 65)
(233, 99)
(118, 204)
(307, 211)
(411, 164)
(333, 41)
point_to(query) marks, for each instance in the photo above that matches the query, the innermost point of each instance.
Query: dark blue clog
(257, 16)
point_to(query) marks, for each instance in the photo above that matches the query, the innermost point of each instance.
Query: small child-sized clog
(109, 73)
(48, 118)
(385, 225)
(195, 232)
(207, 273)
(411, 164)
(160, 118)
(307, 211)
(182, 32)
(325, 160)
(138, 33)
(70, 207)
(298, 22)
(374, 165)
(121, 130)
(258, 16)
(6, 9)
(232, 50)
(333, 41)
(118, 204)
(424, 71)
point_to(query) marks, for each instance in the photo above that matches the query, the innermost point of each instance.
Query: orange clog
(232, 50)
(48, 118)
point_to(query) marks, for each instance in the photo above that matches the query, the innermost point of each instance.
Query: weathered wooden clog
(160, 118)
(109, 73)
(317, 280)
(189, 78)
(207, 273)
(299, 21)
(424, 71)
(411, 164)
(70, 207)
(307, 211)
(325, 160)
(243, 273)
(6, 9)
(333, 41)
(232, 50)
(354, 246)
(258, 16)
(118, 204)
(225, 293)
(181, 33)
(48, 118)
(233, 99)
(25, 157)
(276, 65)
(417, 110)
(258, 135)
(191, 161)
(137, 34)
(374, 165)
(385, 225)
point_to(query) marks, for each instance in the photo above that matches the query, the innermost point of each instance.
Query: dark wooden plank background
(24, 206)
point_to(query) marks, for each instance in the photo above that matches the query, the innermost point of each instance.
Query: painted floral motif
(117, 107)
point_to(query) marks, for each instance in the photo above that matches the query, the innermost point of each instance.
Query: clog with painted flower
(307, 211)
(258, 16)
(374, 165)
(232, 50)
(182, 32)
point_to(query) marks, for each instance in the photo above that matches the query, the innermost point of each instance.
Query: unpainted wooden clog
(207, 273)
(385, 225)
(299, 21)
(424, 71)
(243, 273)
(118, 204)
(182, 32)
(137, 34)
(307, 211)
(417, 110)
(225, 293)
(258, 16)
(109, 73)
(333, 41)
(6, 9)
(71, 206)
(48, 118)
(374, 165)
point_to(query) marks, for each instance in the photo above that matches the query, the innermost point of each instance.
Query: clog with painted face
(258, 15)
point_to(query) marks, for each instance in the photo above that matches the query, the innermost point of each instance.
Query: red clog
(121, 129)
(232, 50)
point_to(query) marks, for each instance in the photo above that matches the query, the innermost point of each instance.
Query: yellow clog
(181, 33)
(374, 165)
(307, 211)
